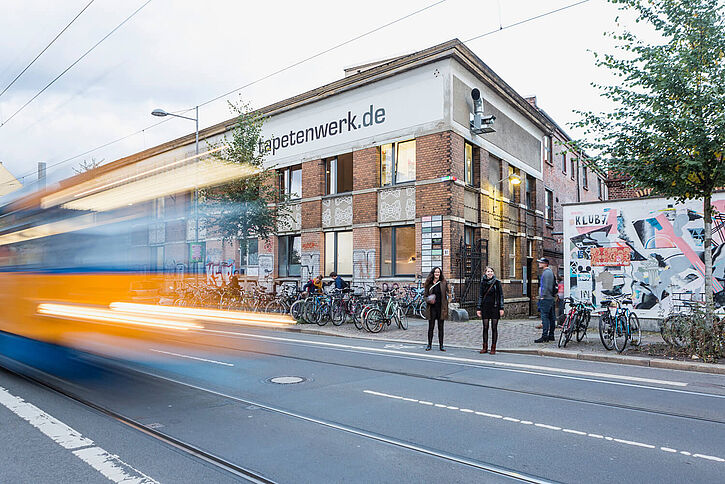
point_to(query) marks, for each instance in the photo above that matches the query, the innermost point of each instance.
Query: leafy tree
(250, 206)
(668, 129)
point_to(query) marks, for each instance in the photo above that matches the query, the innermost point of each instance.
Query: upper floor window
(563, 162)
(397, 163)
(338, 174)
(585, 178)
(549, 213)
(468, 164)
(547, 149)
(290, 181)
(530, 192)
(573, 168)
(600, 188)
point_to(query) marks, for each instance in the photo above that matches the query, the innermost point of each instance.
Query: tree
(668, 130)
(248, 206)
(86, 165)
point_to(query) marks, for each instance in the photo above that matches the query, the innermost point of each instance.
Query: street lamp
(513, 178)
(161, 113)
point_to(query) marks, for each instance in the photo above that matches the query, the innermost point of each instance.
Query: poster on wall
(610, 256)
(196, 252)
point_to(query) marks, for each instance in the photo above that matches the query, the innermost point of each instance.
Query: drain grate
(286, 380)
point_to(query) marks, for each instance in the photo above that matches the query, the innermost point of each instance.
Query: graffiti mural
(665, 244)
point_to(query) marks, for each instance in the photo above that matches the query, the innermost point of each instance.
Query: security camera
(479, 123)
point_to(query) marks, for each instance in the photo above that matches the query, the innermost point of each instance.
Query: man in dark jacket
(547, 295)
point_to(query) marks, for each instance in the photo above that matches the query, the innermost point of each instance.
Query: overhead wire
(46, 48)
(74, 63)
(503, 27)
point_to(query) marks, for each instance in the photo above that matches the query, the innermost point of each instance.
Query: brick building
(387, 178)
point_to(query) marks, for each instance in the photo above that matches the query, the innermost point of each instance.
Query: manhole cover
(286, 380)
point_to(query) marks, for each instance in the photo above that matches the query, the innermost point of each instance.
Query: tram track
(235, 469)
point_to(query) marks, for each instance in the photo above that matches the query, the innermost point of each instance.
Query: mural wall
(649, 248)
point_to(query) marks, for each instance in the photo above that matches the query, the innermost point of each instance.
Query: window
(468, 164)
(573, 168)
(397, 163)
(600, 188)
(468, 236)
(397, 251)
(290, 181)
(530, 249)
(563, 162)
(289, 252)
(547, 149)
(512, 257)
(585, 180)
(249, 256)
(549, 214)
(159, 206)
(338, 252)
(338, 174)
(530, 192)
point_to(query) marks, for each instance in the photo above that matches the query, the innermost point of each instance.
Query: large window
(468, 164)
(397, 251)
(290, 181)
(289, 255)
(338, 252)
(547, 150)
(397, 163)
(338, 174)
(249, 255)
(549, 214)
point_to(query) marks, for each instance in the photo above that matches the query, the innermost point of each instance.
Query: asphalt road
(366, 411)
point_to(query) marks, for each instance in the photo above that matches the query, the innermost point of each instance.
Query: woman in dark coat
(490, 307)
(437, 306)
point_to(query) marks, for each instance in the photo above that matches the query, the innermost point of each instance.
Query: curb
(573, 355)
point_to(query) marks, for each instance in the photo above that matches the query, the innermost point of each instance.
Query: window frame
(285, 181)
(573, 162)
(512, 257)
(530, 192)
(290, 247)
(563, 162)
(336, 251)
(549, 206)
(329, 177)
(585, 177)
(600, 188)
(394, 163)
(468, 164)
(393, 251)
(548, 149)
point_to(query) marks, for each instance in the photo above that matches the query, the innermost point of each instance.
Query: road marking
(192, 357)
(525, 368)
(553, 427)
(82, 447)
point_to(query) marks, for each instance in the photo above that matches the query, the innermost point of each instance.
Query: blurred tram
(75, 261)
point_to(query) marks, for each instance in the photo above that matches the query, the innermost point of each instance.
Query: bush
(691, 332)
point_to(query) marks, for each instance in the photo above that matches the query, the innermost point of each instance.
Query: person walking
(490, 307)
(547, 293)
(436, 296)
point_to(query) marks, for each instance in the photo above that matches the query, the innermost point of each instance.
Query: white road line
(82, 447)
(192, 357)
(553, 427)
(477, 363)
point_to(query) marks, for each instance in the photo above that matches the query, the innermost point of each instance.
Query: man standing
(547, 292)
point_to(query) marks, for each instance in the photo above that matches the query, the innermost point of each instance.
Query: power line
(74, 63)
(526, 20)
(46, 48)
(323, 52)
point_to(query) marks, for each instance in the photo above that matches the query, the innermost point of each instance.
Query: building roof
(367, 74)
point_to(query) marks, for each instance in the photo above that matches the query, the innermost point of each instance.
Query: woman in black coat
(490, 307)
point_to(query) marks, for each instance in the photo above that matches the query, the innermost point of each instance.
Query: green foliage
(247, 207)
(668, 131)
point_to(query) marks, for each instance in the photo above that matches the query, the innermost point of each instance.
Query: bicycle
(616, 331)
(377, 317)
(577, 320)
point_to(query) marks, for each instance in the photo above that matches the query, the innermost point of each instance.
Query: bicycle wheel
(605, 331)
(374, 320)
(565, 334)
(338, 312)
(635, 332)
(621, 335)
(273, 307)
(582, 326)
(401, 319)
(322, 314)
(420, 309)
(297, 308)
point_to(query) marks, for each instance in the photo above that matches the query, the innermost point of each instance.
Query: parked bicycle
(576, 321)
(616, 330)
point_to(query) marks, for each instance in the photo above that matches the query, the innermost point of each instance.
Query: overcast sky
(175, 54)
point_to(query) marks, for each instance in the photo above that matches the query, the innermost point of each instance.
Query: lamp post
(161, 113)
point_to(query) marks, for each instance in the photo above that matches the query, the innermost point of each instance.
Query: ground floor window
(289, 255)
(397, 251)
(338, 253)
(248, 254)
(512, 257)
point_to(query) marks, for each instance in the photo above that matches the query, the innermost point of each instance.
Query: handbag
(432, 297)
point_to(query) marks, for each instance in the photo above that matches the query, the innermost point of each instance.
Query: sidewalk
(515, 336)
